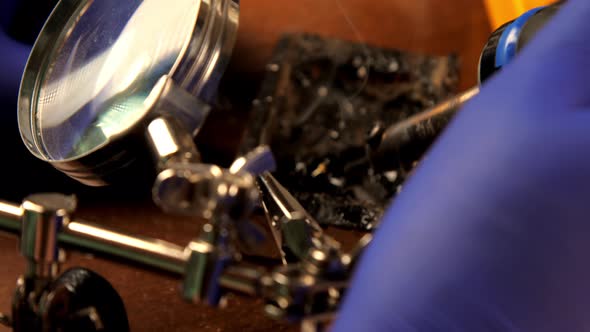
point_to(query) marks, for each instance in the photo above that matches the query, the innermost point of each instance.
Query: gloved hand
(492, 233)
(12, 63)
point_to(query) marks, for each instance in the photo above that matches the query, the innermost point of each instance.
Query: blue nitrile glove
(13, 57)
(492, 233)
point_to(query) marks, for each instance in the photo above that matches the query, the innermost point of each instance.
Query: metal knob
(205, 191)
(44, 215)
(190, 188)
(256, 162)
(208, 256)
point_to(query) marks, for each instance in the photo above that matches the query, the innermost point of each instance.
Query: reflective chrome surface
(100, 70)
(203, 190)
(90, 237)
(255, 162)
(171, 143)
(187, 188)
(44, 216)
(308, 290)
(293, 229)
(151, 252)
(10, 216)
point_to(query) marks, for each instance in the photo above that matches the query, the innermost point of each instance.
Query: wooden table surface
(152, 301)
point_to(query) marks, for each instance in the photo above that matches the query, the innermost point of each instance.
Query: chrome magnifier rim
(189, 87)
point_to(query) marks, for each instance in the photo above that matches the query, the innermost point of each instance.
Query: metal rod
(243, 279)
(405, 142)
(10, 216)
(238, 285)
(147, 251)
(171, 143)
(86, 236)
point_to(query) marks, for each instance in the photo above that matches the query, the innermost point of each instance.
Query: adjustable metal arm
(87, 236)
(194, 263)
(10, 216)
(308, 291)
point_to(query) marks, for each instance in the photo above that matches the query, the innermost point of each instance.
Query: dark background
(152, 301)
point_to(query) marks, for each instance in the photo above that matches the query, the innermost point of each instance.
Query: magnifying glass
(110, 83)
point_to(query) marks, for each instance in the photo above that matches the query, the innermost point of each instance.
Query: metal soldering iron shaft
(405, 142)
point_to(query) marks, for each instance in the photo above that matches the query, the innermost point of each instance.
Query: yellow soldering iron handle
(502, 11)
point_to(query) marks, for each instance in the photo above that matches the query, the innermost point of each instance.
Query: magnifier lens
(107, 60)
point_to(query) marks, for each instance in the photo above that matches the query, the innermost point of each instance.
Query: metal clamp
(308, 289)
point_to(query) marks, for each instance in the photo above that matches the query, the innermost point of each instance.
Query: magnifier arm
(171, 143)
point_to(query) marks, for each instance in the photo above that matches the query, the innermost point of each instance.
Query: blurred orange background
(502, 11)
